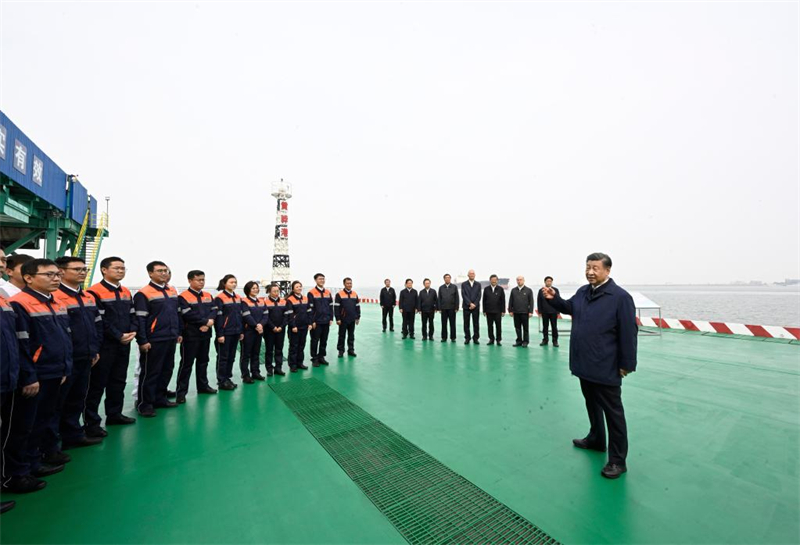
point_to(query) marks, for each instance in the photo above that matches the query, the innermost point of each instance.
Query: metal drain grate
(425, 500)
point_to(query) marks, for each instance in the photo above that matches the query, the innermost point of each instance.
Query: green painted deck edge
(423, 499)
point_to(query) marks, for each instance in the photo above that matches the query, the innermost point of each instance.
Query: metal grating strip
(425, 500)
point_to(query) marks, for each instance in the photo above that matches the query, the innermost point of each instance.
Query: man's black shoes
(84, 441)
(555, 343)
(279, 372)
(96, 431)
(341, 354)
(23, 484)
(259, 376)
(57, 458)
(543, 343)
(227, 386)
(7, 506)
(585, 444)
(171, 394)
(613, 471)
(352, 353)
(303, 367)
(119, 420)
(323, 361)
(248, 380)
(48, 469)
(166, 405)
(208, 390)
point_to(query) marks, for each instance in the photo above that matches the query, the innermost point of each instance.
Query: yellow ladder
(93, 249)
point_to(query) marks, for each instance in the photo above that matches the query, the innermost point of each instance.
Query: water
(758, 305)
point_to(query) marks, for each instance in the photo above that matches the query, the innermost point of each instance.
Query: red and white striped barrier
(766, 331)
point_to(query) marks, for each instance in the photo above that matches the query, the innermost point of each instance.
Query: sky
(424, 137)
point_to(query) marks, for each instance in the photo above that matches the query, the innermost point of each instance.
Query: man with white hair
(471, 294)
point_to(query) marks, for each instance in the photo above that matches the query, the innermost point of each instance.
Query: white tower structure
(281, 275)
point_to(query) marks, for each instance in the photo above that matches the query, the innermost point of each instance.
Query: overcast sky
(423, 138)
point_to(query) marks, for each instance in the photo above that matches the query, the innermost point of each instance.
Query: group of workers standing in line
(446, 301)
(63, 347)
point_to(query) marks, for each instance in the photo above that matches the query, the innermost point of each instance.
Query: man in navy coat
(602, 351)
(471, 296)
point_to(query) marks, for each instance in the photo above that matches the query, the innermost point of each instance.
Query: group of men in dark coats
(602, 347)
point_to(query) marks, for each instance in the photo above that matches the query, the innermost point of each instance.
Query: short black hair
(446, 275)
(194, 274)
(387, 279)
(493, 276)
(224, 280)
(63, 261)
(346, 278)
(15, 260)
(249, 286)
(426, 280)
(107, 261)
(600, 256)
(273, 285)
(408, 280)
(31, 266)
(318, 275)
(153, 264)
(546, 278)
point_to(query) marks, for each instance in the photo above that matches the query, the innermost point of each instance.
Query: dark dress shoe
(466, 342)
(23, 484)
(517, 343)
(171, 394)
(166, 405)
(424, 338)
(233, 384)
(405, 336)
(269, 372)
(147, 413)
(323, 361)
(95, 431)
(303, 367)
(490, 343)
(208, 390)
(341, 354)
(85, 441)
(452, 340)
(280, 372)
(412, 337)
(180, 400)
(248, 380)
(352, 354)
(119, 420)
(315, 364)
(227, 386)
(613, 471)
(543, 343)
(259, 376)
(585, 444)
(555, 343)
(292, 369)
(498, 343)
(391, 330)
(48, 469)
(57, 458)
(525, 345)
(477, 341)
(7, 506)
(444, 340)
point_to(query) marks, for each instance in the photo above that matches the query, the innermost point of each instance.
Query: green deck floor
(714, 432)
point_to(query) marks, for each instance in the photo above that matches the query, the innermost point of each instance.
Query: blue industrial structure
(40, 202)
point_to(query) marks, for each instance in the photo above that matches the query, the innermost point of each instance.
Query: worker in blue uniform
(298, 311)
(348, 314)
(250, 358)
(321, 302)
(229, 329)
(274, 330)
(198, 312)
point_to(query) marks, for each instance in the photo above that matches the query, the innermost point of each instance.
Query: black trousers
(448, 317)
(249, 361)
(167, 369)
(274, 343)
(494, 323)
(297, 346)
(226, 355)
(43, 438)
(427, 323)
(602, 399)
(409, 317)
(319, 341)
(550, 319)
(521, 322)
(109, 375)
(194, 353)
(72, 401)
(347, 330)
(388, 312)
(17, 414)
(473, 315)
(150, 365)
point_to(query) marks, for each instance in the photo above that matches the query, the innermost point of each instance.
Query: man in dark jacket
(602, 351)
(388, 299)
(448, 305)
(428, 305)
(471, 294)
(347, 307)
(548, 313)
(494, 308)
(409, 301)
(520, 306)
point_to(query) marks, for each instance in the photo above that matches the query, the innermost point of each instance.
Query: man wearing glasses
(110, 374)
(87, 334)
(159, 328)
(45, 350)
